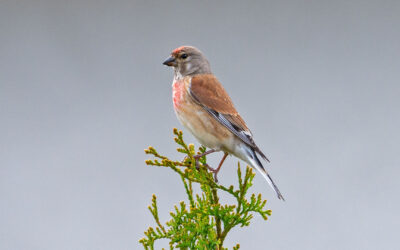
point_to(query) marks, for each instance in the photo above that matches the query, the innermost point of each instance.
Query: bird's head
(188, 60)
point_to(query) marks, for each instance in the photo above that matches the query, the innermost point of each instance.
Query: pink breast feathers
(177, 93)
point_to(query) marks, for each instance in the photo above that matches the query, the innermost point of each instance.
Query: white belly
(195, 125)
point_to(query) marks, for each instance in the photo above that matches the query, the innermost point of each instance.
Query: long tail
(256, 163)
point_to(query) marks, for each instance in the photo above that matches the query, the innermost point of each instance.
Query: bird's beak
(170, 61)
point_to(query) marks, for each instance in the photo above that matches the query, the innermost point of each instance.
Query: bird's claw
(214, 171)
(215, 178)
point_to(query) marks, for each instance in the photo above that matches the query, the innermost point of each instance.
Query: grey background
(83, 92)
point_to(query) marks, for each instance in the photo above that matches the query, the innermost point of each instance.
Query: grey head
(188, 61)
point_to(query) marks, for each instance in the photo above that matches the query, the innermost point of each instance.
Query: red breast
(177, 93)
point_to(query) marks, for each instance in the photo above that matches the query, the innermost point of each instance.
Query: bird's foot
(214, 171)
(197, 157)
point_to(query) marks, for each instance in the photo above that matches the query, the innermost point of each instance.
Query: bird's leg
(205, 153)
(215, 171)
(197, 157)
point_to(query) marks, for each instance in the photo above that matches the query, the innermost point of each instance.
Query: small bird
(204, 108)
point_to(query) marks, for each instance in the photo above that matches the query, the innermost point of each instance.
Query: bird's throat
(177, 75)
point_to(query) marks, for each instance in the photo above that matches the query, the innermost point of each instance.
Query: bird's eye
(184, 56)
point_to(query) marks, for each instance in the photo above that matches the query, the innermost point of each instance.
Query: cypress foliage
(202, 222)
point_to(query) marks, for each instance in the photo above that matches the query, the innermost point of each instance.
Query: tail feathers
(262, 154)
(257, 165)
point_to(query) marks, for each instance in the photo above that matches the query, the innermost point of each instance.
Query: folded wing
(209, 93)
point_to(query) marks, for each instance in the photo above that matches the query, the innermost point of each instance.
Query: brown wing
(208, 92)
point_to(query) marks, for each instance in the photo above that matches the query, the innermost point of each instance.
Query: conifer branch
(204, 223)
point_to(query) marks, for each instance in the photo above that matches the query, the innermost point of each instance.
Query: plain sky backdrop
(83, 91)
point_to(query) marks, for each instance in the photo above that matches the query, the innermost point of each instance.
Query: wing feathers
(211, 94)
(243, 135)
(208, 92)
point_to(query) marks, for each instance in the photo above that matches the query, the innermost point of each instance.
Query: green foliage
(203, 222)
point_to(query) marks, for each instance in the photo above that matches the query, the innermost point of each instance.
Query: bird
(204, 108)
